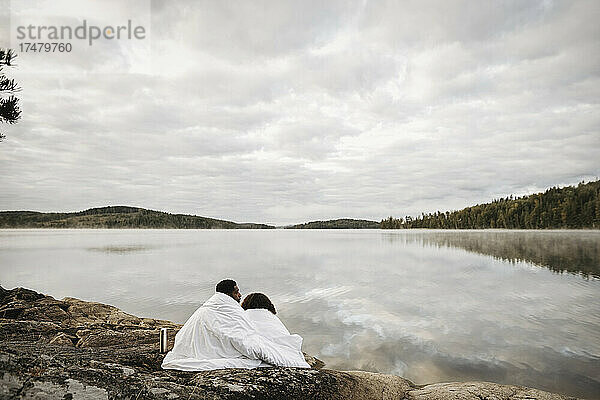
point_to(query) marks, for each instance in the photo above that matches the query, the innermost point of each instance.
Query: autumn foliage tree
(9, 104)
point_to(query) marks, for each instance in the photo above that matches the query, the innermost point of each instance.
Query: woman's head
(258, 300)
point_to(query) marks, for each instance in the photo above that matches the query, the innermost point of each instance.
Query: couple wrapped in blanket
(222, 334)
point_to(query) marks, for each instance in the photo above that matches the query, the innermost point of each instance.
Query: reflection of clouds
(448, 314)
(359, 300)
(423, 361)
(318, 293)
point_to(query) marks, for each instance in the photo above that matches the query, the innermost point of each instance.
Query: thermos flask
(163, 340)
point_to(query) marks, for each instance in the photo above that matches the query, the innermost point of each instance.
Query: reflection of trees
(575, 252)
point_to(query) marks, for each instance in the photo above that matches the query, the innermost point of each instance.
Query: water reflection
(119, 249)
(561, 251)
(428, 305)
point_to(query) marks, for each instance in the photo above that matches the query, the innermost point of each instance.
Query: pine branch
(7, 56)
(8, 85)
(9, 110)
(9, 107)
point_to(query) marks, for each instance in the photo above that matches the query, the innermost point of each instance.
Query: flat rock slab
(479, 391)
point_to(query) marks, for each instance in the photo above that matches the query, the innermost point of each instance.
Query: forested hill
(557, 208)
(116, 217)
(337, 224)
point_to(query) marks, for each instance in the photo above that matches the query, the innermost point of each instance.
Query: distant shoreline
(126, 217)
(570, 207)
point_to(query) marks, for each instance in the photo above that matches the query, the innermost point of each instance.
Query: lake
(515, 307)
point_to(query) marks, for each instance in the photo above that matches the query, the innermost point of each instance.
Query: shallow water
(428, 305)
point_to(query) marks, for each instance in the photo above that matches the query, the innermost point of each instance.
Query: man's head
(230, 288)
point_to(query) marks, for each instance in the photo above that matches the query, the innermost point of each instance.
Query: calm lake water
(516, 307)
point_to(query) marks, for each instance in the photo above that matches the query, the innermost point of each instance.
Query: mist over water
(515, 307)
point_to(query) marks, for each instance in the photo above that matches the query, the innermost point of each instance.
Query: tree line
(117, 217)
(344, 223)
(571, 207)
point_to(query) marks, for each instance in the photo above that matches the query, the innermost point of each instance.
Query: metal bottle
(163, 340)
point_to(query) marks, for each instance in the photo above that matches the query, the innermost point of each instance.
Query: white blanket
(271, 327)
(220, 335)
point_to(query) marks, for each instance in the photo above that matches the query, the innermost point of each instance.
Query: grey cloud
(285, 112)
(432, 22)
(249, 31)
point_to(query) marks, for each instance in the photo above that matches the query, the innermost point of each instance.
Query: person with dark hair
(221, 335)
(230, 288)
(258, 301)
(261, 311)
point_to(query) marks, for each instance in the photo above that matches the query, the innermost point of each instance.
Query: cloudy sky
(283, 112)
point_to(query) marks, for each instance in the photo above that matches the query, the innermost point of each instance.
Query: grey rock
(12, 386)
(480, 390)
(62, 339)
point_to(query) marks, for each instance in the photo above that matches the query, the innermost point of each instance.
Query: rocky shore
(73, 349)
